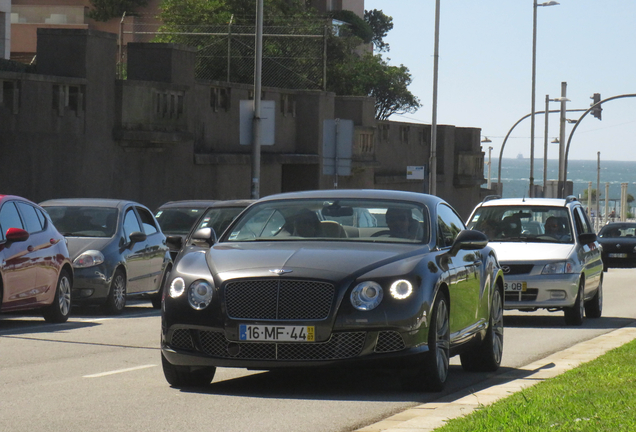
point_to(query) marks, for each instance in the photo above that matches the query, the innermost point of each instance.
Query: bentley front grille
(276, 299)
(339, 346)
(389, 341)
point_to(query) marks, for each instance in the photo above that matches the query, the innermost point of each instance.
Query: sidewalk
(430, 416)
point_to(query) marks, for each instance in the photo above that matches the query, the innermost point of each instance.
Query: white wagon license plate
(262, 333)
(515, 286)
(617, 255)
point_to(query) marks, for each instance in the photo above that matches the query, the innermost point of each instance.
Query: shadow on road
(557, 321)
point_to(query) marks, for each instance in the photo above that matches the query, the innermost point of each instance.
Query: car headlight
(401, 289)
(558, 268)
(177, 287)
(89, 258)
(200, 294)
(366, 296)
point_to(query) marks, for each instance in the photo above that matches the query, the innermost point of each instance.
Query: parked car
(286, 285)
(549, 254)
(618, 240)
(36, 271)
(179, 218)
(117, 248)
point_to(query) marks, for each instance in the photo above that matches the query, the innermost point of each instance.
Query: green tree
(103, 10)
(380, 25)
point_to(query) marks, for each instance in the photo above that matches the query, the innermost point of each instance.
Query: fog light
(558, 295)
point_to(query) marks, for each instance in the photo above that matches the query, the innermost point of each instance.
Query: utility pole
(256, 137)
(598, 189)
(562, 175)
(433, 158)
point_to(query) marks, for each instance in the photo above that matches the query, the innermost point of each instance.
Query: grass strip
(597, 396)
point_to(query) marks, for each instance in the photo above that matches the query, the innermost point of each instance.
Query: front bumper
(91, 284)
(192, 346)
(543, 291)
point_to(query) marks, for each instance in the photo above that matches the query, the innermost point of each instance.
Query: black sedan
(618, 240)
(117, 248)
(288, 285)
(178, 218)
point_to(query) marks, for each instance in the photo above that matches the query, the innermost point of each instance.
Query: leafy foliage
(103, 10)
(380, 25)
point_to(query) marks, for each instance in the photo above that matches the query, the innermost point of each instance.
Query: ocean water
(515, 174)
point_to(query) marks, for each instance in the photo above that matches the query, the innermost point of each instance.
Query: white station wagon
(549, 253)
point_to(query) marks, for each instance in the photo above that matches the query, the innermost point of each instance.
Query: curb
(430, 416)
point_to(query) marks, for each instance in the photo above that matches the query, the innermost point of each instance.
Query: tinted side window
(147, 221)
(9, 218)
(31, 219)
(581, 221)
(130, 223)
(448, 225)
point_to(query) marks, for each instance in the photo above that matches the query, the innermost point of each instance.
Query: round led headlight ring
(200, 294)
(177, 286)
(401, 289)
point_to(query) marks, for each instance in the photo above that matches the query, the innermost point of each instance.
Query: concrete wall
(74, 130)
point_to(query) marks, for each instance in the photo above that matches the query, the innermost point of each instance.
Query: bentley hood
(304, 259)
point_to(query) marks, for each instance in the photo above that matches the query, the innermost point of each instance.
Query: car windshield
(523, 223)
(617, 231)
(178, 220)
(80, 221)
(219, 218)
(341, 220)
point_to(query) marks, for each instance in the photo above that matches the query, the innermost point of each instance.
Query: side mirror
(468, 240)
(587, 238)
(174, 242)
(136, 237)
(204, 237)
(15, 235)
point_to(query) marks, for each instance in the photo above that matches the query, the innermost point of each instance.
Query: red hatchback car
(35, 269)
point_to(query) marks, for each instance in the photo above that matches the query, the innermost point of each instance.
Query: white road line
(119, 371)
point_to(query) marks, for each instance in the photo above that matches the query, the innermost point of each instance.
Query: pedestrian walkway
(430, 416)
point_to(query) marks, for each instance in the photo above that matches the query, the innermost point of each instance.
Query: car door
(134, 254)
(42, 252)
(155, 249)
(591, 253)
(18, 263)
(466, 275)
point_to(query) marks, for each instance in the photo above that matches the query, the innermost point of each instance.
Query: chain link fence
(294, 57)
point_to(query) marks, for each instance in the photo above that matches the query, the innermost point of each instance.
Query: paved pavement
(430, 416)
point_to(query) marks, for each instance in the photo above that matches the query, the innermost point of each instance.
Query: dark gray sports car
(335, 278)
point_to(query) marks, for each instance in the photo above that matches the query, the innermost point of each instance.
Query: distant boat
(520, 156)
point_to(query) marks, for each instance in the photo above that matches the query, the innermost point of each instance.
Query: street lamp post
(489, 164)
(534, 84)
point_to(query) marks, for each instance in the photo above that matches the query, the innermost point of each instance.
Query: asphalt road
(97, 373)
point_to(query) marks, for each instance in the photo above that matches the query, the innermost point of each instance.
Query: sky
(485, 70)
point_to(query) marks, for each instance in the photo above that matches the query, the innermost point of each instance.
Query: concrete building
(5, 29)
(72, 129)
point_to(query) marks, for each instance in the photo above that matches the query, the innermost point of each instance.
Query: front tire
(574, 315)
(487, 356)
(116, 300)
(60, 309)
(435, 369)
(182, 376)
(594, 307)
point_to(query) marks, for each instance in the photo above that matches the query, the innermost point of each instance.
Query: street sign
(416, 172)
(337, 147)
(268, 116)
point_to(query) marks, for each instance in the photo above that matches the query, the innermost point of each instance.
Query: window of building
(220, 98)
(288, 104)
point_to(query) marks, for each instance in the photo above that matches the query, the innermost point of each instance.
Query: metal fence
(294, 57)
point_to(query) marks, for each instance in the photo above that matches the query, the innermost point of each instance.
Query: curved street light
(567, 148)
(503, 145)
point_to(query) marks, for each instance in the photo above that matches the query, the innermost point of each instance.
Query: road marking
(119, 371)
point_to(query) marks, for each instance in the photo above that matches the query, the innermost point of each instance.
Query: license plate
(617, 255)
(262, 333)
(515, 286)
